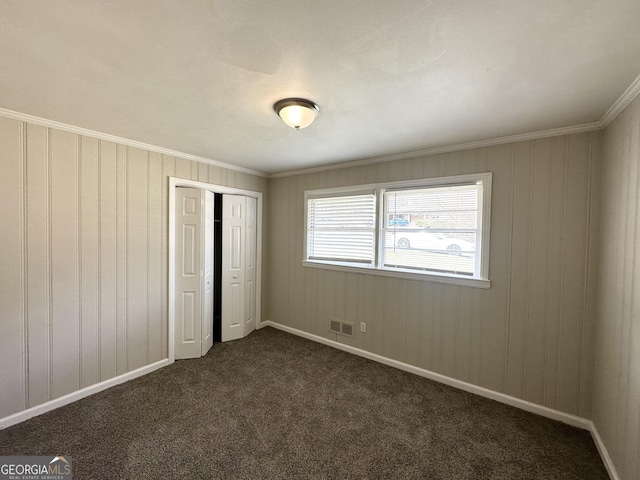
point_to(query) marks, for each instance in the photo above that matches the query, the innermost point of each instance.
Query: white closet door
(250, 267)
(188, 299)
(233, 266)
(207, 278)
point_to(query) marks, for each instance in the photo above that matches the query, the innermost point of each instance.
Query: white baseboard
(604, 453)
(467, 387)
(78, 394)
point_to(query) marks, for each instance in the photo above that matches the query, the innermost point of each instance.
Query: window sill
(423, 277)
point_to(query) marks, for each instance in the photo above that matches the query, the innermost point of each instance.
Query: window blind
(342, 228)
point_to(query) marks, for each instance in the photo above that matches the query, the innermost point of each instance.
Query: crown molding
(23, 117)
(587, 127)
(619, 105)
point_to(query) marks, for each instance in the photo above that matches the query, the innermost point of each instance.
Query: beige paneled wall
(616, 396)
(530, 335)
(83, 256)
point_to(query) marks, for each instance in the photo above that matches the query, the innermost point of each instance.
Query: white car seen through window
(433, 241)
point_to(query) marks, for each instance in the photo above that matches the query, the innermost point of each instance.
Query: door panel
(250, 267)
(189, 316)
(189, 247)
(236, 305)
(207, 287)
(188, 224)
(233, 275)
(235, 249)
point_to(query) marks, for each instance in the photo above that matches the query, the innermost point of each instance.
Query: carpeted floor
(276, 406)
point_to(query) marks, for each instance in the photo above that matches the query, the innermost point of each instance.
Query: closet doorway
(215, 257)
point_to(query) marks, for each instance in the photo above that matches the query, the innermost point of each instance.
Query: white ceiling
(201, 76)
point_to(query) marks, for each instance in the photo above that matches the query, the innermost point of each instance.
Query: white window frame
(480, 279)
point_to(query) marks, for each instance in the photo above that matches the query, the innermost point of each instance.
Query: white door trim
(181, 182)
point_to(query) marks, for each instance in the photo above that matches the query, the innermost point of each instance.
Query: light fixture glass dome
(297, 112)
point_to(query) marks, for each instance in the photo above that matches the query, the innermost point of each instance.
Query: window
(342, 229)
(433, 229)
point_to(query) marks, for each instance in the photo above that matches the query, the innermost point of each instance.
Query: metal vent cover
(347, 329)
(341, 328)
(335, 326)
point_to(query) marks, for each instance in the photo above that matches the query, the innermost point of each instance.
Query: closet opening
(217, 268)
(213, 296)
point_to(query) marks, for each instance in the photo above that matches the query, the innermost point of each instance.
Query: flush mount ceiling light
(296, 112)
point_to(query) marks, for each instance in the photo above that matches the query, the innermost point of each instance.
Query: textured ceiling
(201, 76)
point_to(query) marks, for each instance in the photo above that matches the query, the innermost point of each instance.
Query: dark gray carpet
(277, 406)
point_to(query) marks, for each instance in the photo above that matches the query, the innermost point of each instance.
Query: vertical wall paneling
(88, 197)
(437, 329)
(183, 168)
(525, 335)
(308, 284)
(450, 328)
(393, 320)
(555, 263)
(572, 328)
(426, 323)
(24, 267)
(223, 176)
(108, 260)
(231, 179)
(214, 174)
(279, 250)
(628, 270)
(121, 259)
(629, 400)
(323, 314)
(37, 310)
(464, 330)
(78, 219)
(412, 328)
(496, 301)
(616, 380)
(482, 164)
(311, 302)
(12, 394)
(83, 251)
(538, 274)
(49, 164)
(136, 259)
(364, 292)
(98, 263)
(376, 333)
(592, 276)
(632, 366)
(168, 170)
(302, 185)
(476, 337)
(64, 263)
(155, 259)
(339, 287)
(356, 308)
(296, 209)
(519, 269)
(203, 172)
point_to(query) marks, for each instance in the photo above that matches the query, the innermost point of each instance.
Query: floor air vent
(341, 328)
